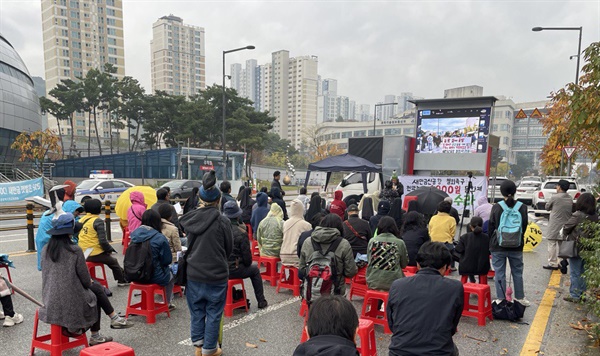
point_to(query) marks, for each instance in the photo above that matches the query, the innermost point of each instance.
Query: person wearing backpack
(150, 245)
(507, 226)
(326, 249)
(357, 231)
(474, 250)
(93, 235)
(387, 256)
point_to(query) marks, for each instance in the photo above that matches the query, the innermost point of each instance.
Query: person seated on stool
(331, 328)
(474, 248)
(387, 256)
(93, 235)
(240, 260)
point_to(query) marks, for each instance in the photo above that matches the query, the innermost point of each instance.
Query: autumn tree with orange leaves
(38, 146)
(318, 146)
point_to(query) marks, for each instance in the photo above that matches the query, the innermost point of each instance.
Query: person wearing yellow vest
(93, 235)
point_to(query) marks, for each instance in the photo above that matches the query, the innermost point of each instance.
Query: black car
(182, 188)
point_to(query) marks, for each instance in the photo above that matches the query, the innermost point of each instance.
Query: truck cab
(352, 184)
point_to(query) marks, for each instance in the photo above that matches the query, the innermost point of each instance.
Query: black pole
(107, 220)
(30, 235)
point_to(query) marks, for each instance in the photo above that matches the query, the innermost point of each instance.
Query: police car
(102, 186)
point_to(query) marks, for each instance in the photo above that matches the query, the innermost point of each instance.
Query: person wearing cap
(93, 235)
(292, 229)
(71, 298)
(514, 255)
(240, 260)
(207, 266)
(383, 209)
(357, 231)
(560, 206)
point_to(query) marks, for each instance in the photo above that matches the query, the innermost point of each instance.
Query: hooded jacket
(484, 208)
(292, 228)
(383, 209)
(260, 212)
(137, 209)
(326, 345)
(172, 234)
(207, 261)
(344, 259)
(270, 232)
(338, 206)
(161, 252)
(241, 254)
(277, 198)
(387, 257)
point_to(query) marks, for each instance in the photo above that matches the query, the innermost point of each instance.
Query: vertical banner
(455, 187)
(18, 191)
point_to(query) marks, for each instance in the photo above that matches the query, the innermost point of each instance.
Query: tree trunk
(97, 133)
(110, 132)
(136, 142)
(89, 132)
(60, 137)
(72, 135)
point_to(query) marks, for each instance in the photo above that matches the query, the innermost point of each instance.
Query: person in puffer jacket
(137, 209)
(337, 206)
(270, 232)
(292, 229)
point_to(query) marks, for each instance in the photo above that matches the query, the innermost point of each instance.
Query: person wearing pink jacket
(137, 209)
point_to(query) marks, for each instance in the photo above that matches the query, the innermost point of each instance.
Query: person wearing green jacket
(387, 256)
(270, 232)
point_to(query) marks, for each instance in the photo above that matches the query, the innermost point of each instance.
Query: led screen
(453, 130)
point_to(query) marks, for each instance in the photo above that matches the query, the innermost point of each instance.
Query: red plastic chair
(230, 304)
(147, 306)
(108, 349)
(482, 279)
(366, 335)
(483, 308)
(58, 342)
(358, 286)
(370, 310)
(270, 274)
(91, 266)
(290, 282)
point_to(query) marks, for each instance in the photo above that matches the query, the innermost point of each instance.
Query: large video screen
(453, 130)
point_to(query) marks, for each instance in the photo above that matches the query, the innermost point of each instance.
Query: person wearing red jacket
(338, 207)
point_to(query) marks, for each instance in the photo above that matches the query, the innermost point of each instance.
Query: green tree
(109, 99)
(133, 108)
(92, 90)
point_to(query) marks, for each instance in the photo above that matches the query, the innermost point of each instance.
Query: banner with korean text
(18, 191)
(455, 187)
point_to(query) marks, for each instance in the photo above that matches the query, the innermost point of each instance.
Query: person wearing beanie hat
(514, 255)
(210, 243)
(396, 185)
(240, 260)
(93, 235)
(560, 206)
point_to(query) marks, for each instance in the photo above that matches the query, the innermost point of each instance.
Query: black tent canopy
(343, 163)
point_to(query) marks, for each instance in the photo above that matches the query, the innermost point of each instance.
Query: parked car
(494, 189)
(548, 189)
(182, 188)
(102, 189)
(526, 189)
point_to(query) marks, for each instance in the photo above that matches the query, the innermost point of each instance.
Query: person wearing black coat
(246, 204)
(192, 202)
(397, 212)
(277, 198)
(383, 209)
(314, 207)
(357, 231)
(414, 234)
(474, 250)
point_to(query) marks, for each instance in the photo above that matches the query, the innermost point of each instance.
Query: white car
(494, 188)
(548, 189)
(102, 189)
(526, 190)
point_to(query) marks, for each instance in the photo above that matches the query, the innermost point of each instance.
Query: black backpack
(138, 262)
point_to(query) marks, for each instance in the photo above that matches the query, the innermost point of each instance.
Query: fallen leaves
(504, 352)
(577, 326)
(249, 345)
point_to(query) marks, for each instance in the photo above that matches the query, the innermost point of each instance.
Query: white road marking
(249, 317)
(13, 240)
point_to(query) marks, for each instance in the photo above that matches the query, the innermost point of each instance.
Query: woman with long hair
(387, 256)
(414, 234)
(246, 204)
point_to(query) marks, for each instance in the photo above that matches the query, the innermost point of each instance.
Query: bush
(590, 252)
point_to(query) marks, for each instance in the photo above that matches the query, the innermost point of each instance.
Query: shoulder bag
(181, 275)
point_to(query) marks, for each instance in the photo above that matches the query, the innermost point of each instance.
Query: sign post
(569, 150)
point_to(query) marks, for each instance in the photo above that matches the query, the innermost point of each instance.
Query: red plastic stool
(5, 266)
(125, 240)
(359, 284)
(255, 250)
(482, 279)
(303, 308)
(410, 269)
(304, 336)
(91, 266)
(290, 282)
(58, 342)
(108, 349)
(230, 304)
(491, 273)
(177, 290)
(366, 334)
(270, 274)
(370, 309)
(483, 308)
(249, 232)
(147, 306)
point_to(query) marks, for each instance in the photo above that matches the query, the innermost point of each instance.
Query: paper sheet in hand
(178, 208)
(87, 252)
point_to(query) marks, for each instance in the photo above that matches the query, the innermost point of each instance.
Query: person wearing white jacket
(292, 228)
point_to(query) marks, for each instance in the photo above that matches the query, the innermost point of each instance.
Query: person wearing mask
(397, 213)
(170, 231)
(240, 260)
(269, 234)
(442, 227)
(150, 230)
(93, 235)
(483, 210)
(136, 210)
(314, 207)
(386, 255)
(338, 206)
(260, 212)
(192, 202)
(514, 255)
(423, 311)
(331, 327)
(560, 206)
(357, 231)
(246, 204)
(330, 230)
(292, 229)
(277, 198)
(226, 196)
(316, 221)
(584, 211)
(303, 198)
(71, 298)
(474, 250)
(453, 212)
(414, 234)
(388, 193)
(207, 267)
(383, 209)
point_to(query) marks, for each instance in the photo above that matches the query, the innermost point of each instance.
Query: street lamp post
(580, 29)
(224, 112)
(375, 114)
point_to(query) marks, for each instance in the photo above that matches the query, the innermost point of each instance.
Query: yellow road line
(25, 253)
(540, 321)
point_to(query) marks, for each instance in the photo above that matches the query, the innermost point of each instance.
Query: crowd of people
(212, 236)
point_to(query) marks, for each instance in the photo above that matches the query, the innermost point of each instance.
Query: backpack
(321, 272)
(510, 228)
(138, 262)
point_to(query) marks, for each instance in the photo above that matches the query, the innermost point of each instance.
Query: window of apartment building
(507, 114)
(112, 41)
(80, 122)
(76, 54)
(111, 22)
(80, 132)
(74, 14)
(65, 52)
(505, 127)
(74, 4)
(66, 72)
(65, 62)
(505, 140)
(64, 33)
(74, 24)
(361, 133)
(76, 64)
(536, 131)
(520, 130)
(495, 128)
(112, 60)
(77, 73)
(112, 50)
(519, 143)
(111, 31)
(110, 2)
(62, 2)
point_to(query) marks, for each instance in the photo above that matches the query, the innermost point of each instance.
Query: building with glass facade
(19, 105)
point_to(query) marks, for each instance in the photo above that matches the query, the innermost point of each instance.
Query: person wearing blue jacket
(161, 252)
(260, 212)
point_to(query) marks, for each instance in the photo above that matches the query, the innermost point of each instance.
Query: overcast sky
(372, 48)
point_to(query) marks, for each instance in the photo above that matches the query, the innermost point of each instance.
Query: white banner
(455, 187)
